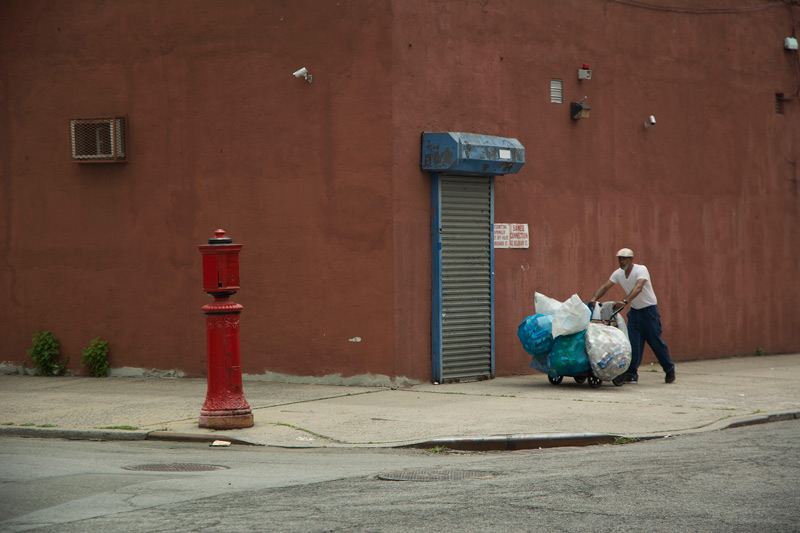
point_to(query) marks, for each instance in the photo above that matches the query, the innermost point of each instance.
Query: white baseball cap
(625, 252)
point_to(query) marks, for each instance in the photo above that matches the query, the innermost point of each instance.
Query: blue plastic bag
(568, 356)
(541, 363)
(535, 334)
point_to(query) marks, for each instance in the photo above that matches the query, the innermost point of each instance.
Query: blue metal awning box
(471, 153)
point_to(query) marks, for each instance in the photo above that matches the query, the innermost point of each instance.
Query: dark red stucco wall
(321, 182)
(708, 198)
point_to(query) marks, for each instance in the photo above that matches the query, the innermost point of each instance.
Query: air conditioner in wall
(98, 140)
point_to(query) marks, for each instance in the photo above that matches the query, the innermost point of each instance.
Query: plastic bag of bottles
(541, 363)
(608, 350)
(535, 335)
(568, 356)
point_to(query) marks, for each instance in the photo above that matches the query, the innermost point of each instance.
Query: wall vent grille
(779, 99)
(556, 91)
(98, 140)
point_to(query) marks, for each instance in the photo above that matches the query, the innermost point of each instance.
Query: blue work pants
(644, 325)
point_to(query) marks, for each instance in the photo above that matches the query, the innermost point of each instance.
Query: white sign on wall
(511, 236)
(502, 235)
(519, 236)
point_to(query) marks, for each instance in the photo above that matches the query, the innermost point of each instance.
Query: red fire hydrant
(225, 406)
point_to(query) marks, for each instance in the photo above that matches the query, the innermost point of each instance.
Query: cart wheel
(595, 382)
(555, 380)
(619, 381)
(580, 379)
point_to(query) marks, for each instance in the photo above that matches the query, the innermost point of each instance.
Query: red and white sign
(519, 236)
(502, 235)
(511, 236)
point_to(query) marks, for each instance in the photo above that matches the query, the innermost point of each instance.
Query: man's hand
(618, 306)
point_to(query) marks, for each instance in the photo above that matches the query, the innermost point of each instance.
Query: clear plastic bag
(608, 350)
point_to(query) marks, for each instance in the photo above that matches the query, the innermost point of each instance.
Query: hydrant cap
(220, 238)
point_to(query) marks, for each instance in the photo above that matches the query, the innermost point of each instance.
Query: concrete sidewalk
(503, 413)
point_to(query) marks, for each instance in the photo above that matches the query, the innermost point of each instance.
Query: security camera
(652, 120)
(302, 73)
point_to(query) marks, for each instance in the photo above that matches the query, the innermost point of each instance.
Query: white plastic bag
(545, 305)
(608, 349)
(571, 317)
(604, 312)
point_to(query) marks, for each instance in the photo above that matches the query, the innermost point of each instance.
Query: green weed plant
(95, 358)
(45, 353)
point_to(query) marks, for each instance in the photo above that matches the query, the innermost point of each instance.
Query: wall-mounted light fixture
(579, 109)
(650, 122)
(790, 43)
(302, 73)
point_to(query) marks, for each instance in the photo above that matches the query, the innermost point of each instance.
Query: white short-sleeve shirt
(647, 297)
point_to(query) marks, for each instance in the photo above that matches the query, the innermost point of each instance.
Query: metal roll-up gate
(467, 288)
(463, 167)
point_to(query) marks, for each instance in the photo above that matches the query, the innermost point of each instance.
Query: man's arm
(636, 290)
(601, 291)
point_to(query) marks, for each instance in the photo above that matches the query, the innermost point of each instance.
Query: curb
(193, 437)
(764, 419)
(515, 442)
(528, 442)
(476, 444)
(72, 434)
(114, 434)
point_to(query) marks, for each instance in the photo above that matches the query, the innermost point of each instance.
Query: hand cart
(594, 381)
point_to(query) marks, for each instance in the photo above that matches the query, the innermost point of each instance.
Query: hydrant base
(219, 420)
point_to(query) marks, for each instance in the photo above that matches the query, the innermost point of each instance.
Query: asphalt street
(739, 479)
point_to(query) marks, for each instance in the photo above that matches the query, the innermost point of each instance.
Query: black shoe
(670, 376)
(625, 378)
